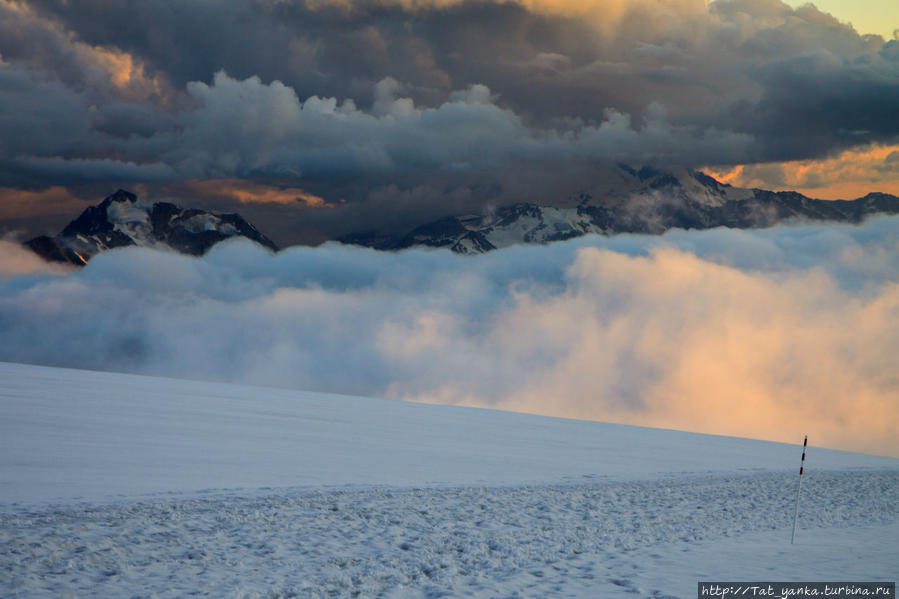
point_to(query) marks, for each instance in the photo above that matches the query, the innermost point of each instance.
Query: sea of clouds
(769, 334)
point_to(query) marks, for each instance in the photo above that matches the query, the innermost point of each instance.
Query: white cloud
(768, 334)
(15, 260)
(248, 127)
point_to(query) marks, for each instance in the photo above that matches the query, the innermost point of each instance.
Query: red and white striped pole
(799, 489)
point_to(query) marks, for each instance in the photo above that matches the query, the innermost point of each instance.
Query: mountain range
(123, 220)
(646, 201)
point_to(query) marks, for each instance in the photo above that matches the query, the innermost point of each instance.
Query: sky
(866, 16)
(320, 118)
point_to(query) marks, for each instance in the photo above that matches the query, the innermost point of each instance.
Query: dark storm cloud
(28, 39)
(332, 51)
(51, 134)
(855, 100)
(447, 101)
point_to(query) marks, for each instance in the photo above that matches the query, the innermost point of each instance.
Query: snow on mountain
(124, 220)
(647, 201)
(122, 485)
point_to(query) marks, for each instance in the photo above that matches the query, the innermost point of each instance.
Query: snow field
(80, 435)
(653, 538)
(129, 486)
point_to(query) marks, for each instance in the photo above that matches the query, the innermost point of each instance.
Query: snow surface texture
(127, 486)
(650, 538)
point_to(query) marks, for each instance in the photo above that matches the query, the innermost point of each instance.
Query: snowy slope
(77, 434)
(168, 488)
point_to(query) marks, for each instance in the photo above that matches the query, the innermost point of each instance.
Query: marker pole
(799, 489)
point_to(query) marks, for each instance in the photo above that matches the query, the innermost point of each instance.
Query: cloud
(736, 69)
(248, 127)
(17, 260)
(51, 134)
(437, 100)
(38, 116)
(769, 334)
(45, 44)
(77, 170)
(789, 124)
(248, 192)
(606, 14)
(18, 203)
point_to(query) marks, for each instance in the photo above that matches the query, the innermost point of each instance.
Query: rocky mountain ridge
(644, 201)
(654, 202)
(122, 220)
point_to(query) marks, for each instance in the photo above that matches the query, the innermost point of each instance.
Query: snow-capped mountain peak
(648, 201)
(122, 219)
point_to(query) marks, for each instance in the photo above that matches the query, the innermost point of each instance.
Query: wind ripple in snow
(540, 541)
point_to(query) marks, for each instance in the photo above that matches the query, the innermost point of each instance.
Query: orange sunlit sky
(848, 175)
